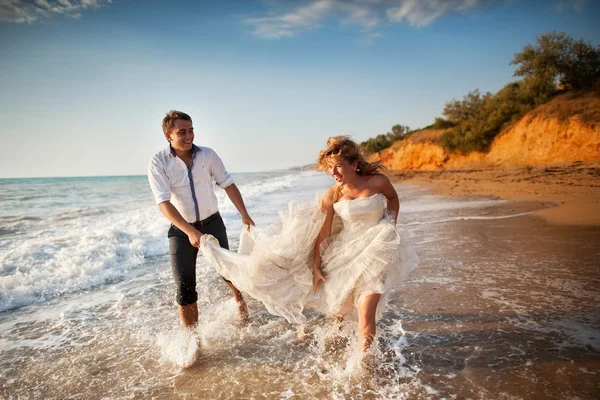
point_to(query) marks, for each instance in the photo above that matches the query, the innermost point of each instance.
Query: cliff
(563, 131)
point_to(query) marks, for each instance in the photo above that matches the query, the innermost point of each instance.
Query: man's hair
(169, 120)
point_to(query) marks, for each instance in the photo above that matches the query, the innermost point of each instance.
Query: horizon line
(136, 175)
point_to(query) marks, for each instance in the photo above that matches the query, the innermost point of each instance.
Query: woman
(348, 239)
(363, 259)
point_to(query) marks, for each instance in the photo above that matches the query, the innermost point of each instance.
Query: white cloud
(287, 24)
(30, 11)
(370, 38)
(577, 5)
(424, 12)
(367, 14)
(356, 13)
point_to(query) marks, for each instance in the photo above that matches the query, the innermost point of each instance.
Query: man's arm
(236, 198)
(224, 181)
(176, 219)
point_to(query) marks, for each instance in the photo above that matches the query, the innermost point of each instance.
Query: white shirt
(191, 192)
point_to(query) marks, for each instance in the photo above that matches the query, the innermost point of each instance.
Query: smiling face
(181, 136)
(341, 170)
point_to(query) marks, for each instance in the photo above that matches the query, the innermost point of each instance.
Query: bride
(340, 254)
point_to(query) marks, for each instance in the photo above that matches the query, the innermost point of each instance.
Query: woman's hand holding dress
(317, 278)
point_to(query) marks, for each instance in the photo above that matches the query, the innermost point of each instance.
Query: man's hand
(236, 198)
(176, 219)
(194, 237)
(317, 278)
(246, 220)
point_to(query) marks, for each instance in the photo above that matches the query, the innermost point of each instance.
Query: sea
(503, 305)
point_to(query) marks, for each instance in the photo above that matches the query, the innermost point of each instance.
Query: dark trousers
(183, 256)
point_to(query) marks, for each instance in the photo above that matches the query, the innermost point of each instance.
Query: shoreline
(573, 188)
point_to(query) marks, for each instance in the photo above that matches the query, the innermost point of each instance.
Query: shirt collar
(195, 149)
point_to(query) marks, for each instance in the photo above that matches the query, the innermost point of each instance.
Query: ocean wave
(7, 231)
(77, 213)
(18, 218)
(89, 243)
(268, 185)
(88, 253)
(257, 189)
(466, 218)
(435, 203)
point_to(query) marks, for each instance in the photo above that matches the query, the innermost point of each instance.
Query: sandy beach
(573, 190)
(514, 302)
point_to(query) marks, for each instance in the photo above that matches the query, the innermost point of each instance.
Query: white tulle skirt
(274, 264)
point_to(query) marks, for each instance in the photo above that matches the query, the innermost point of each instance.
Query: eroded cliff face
(541, 140)
(560, 132)
(409, 155)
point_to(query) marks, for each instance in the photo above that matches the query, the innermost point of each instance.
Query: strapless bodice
(360, 213)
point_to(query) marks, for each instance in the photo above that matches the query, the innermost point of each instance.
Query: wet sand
(513, 306)
(574, 189)
(510, 311)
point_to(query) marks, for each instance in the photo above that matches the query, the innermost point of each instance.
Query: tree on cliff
(381, 142)
(398, 132)
(558, 59)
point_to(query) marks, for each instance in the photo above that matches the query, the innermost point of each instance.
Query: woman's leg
(241, 303)
(367, 309)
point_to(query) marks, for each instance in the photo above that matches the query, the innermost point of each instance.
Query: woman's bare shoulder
(378, 180)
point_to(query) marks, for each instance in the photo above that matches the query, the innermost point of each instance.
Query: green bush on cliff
(557, 60)
(479, 118)
(441, 123)
(376, 144)
(381, 142)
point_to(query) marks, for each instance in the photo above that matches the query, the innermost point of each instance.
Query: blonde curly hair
(346, 148)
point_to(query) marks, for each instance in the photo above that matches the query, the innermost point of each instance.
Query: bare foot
(335, 341)
(301, 335)
(192, 357)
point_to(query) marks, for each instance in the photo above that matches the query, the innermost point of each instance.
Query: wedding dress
(364, 254)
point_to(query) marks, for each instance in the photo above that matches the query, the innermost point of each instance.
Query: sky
(84, 84)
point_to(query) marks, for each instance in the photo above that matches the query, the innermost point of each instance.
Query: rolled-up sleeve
(159, 182)
(218, 171)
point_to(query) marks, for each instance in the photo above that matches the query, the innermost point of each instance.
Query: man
(181, 177)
